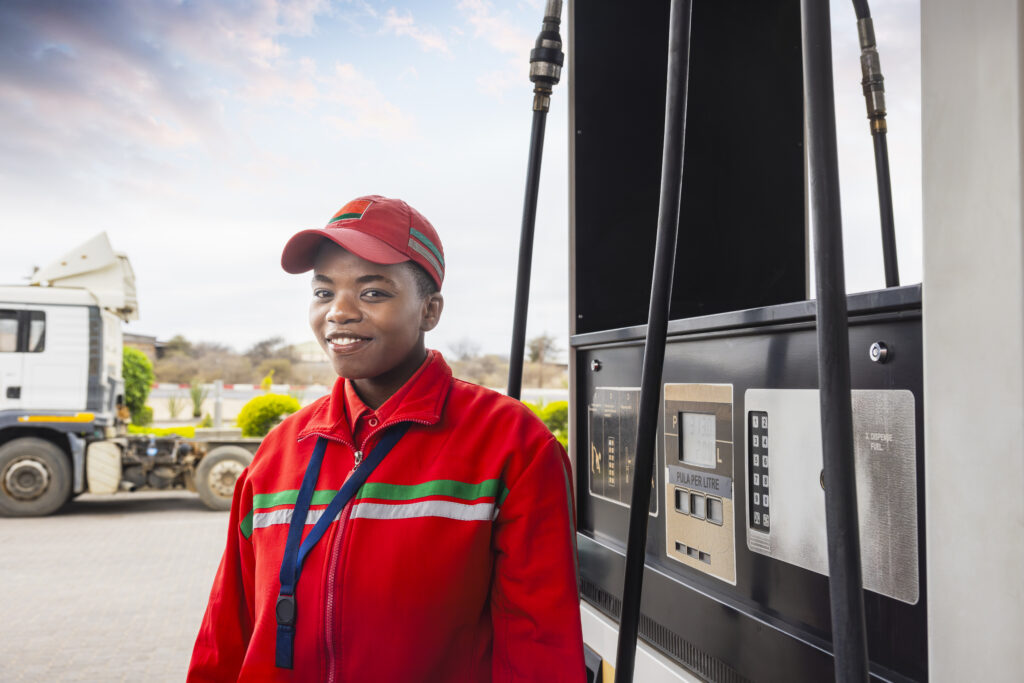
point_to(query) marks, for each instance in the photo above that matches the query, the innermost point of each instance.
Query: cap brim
(300, 251)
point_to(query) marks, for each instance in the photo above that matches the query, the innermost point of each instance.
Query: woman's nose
(344, 309)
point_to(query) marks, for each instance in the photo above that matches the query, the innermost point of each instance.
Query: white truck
(62, 395)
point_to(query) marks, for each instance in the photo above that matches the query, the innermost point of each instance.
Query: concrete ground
(111, 589)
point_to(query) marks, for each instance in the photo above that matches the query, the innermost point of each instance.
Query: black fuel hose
(546, 60)
(849, 634)
(657, 328)
(874, 97)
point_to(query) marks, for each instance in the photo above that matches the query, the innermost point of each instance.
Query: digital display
(698, 439)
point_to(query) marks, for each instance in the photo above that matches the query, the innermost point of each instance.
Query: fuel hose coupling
(546, 58)
(871, 69)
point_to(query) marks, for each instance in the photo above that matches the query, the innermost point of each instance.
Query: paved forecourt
(111, 589)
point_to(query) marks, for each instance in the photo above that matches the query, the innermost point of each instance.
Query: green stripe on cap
(429, 245)
(344, 216)
(422, 251)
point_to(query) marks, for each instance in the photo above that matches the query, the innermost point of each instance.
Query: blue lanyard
(295, 552)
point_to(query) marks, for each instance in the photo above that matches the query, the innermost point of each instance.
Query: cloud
(496, 83)
(498, 29)
(370, 114)
(130, 85)
(404, 25)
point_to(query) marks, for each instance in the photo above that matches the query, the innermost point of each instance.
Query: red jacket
(454, 562)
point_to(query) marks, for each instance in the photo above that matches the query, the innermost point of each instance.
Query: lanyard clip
(285, 644)
(285, 610)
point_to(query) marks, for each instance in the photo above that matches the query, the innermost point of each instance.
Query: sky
(201, 135)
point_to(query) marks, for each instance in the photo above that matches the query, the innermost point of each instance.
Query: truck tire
(217, 473)
(35, 478)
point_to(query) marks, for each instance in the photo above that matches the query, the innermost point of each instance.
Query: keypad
(757, 449)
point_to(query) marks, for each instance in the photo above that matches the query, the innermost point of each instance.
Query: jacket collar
(423, 402)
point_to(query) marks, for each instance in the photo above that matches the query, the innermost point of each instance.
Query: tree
(178, 345)
(280, 369)
(138, 375)
(465, 349)
(271, 347)
(539, 350)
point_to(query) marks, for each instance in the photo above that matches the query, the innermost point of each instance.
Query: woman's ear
(432, 307)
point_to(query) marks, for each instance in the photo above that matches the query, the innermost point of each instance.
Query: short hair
(425, 285)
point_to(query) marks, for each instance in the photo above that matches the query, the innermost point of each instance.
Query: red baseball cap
(378, 229)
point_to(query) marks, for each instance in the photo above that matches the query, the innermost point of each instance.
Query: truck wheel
(217, 473)
(35, 478)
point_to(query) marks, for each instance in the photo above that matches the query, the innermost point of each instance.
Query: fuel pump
(735, 441)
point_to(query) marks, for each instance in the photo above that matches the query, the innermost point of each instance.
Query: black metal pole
(873, 85)
(545, 70)
(657, 328)
(847, 600)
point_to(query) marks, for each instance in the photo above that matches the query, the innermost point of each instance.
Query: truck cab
(60, 373)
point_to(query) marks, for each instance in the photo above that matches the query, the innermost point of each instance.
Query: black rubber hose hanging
(546, 60)
(657, 329)
(873, 85)
(849, 636)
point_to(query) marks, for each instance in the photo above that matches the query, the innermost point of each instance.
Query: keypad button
(757, 460)
(757, 479)
(715, 510)
(764, 441)
(764, 480)
(682, 501)
(764, 422)
(754, 421)
(697, 505)
(757, 498)
(757, 518)
(765, 518)
(756, 442)
(764, 461)
(764, 499)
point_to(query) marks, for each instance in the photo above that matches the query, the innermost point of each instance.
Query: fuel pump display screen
(698, 439)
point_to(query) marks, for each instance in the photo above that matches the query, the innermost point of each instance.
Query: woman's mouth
(346, 342)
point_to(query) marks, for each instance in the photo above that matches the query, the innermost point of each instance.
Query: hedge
(261, 413)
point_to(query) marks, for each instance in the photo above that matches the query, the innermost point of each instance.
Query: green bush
(143, 417)
(185, 431)
(138, 375)
(260, 414)
(197, 392)
(556, 417)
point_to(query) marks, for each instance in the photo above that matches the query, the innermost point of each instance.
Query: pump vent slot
(696, 660)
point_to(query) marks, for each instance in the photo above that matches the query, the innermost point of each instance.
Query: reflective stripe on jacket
(454, 562)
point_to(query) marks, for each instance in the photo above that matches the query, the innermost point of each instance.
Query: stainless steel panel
(886, 468)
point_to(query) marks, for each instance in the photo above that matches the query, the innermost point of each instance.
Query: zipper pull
(359, 458)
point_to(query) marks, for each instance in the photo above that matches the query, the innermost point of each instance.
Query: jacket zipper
(330, 617)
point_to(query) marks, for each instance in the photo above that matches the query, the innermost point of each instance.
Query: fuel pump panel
(786, 492)
(699, 519)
